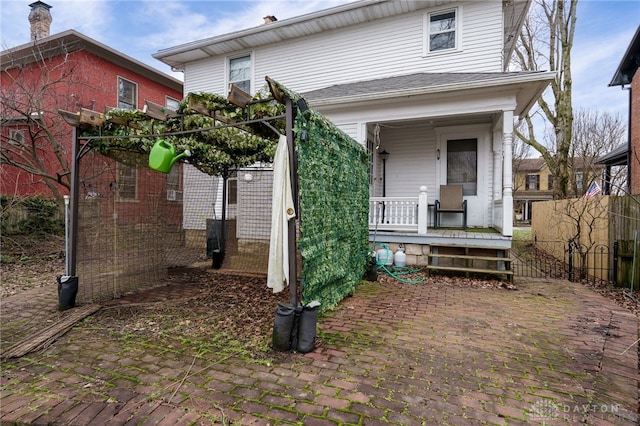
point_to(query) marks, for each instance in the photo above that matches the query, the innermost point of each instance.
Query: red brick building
(624, 76)
(66, 71)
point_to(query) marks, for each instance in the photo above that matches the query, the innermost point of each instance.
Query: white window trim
(135, 106)
(227, 70)
(167, 98)
(425, 31)
(17, 135)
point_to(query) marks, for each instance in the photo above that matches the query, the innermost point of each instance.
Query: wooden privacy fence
(593, 237)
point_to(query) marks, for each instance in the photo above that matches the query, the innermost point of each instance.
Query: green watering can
(163, 155)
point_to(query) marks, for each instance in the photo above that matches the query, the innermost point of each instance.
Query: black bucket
(67, 291)
(282, 327)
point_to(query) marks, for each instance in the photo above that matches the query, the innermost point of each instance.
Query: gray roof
(412, 82)
(70, 41)
(629, 64)
(617, 157)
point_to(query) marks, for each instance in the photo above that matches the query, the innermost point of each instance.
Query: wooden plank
(465, 269)
(72, 118)
(157, 111)
(46, 336)
(471, 257)
(93, 118)
(238, 97)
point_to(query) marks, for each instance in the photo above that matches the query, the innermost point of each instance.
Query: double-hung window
(127, 94)
(533, 182)
(240, 72)
(442, 28)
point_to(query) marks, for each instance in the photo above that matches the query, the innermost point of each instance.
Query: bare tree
(594, 134)
(545, 42)
(35, 139)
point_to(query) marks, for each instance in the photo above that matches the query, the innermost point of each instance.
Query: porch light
(384, 155)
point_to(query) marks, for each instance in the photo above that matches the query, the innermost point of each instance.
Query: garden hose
(396, 272)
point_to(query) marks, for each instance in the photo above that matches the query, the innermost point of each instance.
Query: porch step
(507, 272)
(469, 260)
(471, 257)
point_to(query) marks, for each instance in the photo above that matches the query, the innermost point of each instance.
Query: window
(240, 72)
(16, 136)
(442, 31)
(462, 164)
(127, 181)
(232, 189)
(172, 104)
(579, 179)
(550, 183)
(533, 182)
(127, 94)
(174, 183)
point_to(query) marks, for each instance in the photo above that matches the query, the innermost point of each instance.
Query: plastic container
(400, 258)
(384, 256)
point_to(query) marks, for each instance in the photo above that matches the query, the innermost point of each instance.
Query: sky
(140, 28)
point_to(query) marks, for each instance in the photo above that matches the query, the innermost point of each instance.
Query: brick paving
(552, 352)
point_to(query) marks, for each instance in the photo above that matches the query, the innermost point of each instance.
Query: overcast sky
(140, 28)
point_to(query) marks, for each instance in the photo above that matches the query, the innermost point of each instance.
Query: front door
(463, 161)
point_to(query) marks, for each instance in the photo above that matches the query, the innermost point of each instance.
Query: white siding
(199, 198)
(254, 205)
(412, 159)
(388, 47)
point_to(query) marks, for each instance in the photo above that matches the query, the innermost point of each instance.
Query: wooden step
(507, 272)
(470, 257)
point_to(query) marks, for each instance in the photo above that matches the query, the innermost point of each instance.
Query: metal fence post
(570, 251)
(615, 261)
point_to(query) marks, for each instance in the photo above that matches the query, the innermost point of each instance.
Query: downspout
(629, 175)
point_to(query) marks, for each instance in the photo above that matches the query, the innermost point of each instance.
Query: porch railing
(407, 214)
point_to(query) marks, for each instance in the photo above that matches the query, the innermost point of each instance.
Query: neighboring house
(425, 82)
(628, 155)
(533, 181)
(70, 71)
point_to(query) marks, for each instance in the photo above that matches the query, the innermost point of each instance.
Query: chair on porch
(451, 202)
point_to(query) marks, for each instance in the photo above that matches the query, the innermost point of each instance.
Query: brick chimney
(40, 20)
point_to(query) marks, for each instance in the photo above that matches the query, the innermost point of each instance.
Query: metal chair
(451, 202)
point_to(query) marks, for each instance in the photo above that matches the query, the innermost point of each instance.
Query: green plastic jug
(163, 155)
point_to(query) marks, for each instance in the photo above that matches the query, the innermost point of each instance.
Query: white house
(424, 81)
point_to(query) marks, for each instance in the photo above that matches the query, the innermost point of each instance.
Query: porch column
(507, 181)
(423, 211)
(497, 166)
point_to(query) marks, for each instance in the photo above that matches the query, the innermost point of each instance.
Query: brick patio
(552, 352)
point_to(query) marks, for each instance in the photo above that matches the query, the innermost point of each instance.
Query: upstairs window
(127, 94)
(533, 182)
(442, 30)
(550, 183)
(240, 72)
